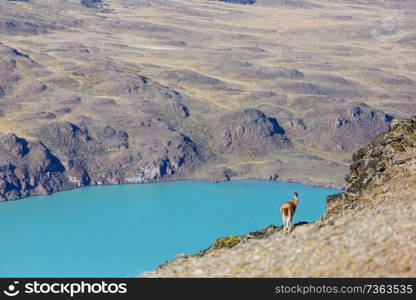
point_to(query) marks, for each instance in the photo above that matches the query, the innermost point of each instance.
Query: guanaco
(287, 210)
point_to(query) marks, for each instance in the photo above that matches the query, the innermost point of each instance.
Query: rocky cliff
(65, 156)
(248, 131)
(389, 159)
(368, 231)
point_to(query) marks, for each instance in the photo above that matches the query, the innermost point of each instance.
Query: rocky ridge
(391, 156)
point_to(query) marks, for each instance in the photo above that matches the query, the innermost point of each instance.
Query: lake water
(124, 230)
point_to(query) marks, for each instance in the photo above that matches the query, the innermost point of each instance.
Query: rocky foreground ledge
(369, 230)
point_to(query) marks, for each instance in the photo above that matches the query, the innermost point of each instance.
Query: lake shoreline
(205, 179)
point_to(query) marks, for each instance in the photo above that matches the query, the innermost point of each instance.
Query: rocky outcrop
(389, 155)
(10, 60)
(112, 140)
(179, 110)
(248, 131)
(220, 174)
(348, 127)
(28, 168)
(66, 156)
(68, 139)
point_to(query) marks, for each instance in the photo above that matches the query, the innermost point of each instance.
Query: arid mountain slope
(157, 90)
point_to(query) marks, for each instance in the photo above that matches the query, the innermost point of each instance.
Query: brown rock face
(68, 138)
(389, 155)
(66, 156)
(249, 131)
(348, 128)
(28, 168)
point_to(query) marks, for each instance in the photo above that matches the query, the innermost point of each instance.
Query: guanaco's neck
(295, 200)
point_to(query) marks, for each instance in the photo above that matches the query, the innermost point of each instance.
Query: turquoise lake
(124, 230)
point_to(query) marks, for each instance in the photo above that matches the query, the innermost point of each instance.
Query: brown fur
(288, 209)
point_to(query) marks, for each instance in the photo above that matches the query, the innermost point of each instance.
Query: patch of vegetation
(398, 146)
(379, 192)
(226, 242)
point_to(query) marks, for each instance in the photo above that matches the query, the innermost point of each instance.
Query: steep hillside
(368, 231)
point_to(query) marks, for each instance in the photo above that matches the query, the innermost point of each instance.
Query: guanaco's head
(295, 198)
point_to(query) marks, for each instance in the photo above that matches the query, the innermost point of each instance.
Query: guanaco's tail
(284, 211)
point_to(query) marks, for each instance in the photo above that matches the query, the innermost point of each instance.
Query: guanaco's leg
(289, 222)
(283, 222)
(287, 225)
(291, 226)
